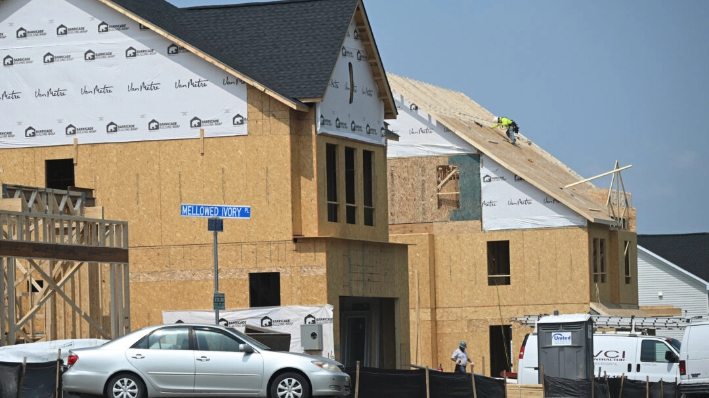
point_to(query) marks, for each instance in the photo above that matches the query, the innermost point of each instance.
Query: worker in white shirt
(460, 357)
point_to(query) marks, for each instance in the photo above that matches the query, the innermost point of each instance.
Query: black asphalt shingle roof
(290, 47)
(687, 251)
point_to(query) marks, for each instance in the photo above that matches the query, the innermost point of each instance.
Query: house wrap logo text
(312, 320)
(103, 27)
(115, 128)
(154, 125)
(23, 33)
(267, 322)
(63, 30)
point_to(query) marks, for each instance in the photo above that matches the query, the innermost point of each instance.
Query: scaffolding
(63, 275)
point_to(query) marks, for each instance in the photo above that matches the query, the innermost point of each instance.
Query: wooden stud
(59, 359)
(622, 380)
(647, 386)
(428, 386)
(76, 151)
(662, 389)
(114, 324)
(483, 366)
(119, 300)
(505, 374)
(201, 142)
(418, 318)
(2, 300)
(11, 315)
(357, 382)
(126, 295)
(544, 389)
(472, 373)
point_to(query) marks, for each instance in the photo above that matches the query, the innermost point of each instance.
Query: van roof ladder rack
(619, 322)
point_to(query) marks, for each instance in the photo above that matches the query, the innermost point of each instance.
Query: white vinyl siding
(678, 289)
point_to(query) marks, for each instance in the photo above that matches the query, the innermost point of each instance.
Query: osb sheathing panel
(420, 262)
(380, 231)
(305, 183)
(369, 269)
(600, 291)
(413, 190)
(178, 275)
(472, 327)
(18, 167)
(527, 160)
(628, 293)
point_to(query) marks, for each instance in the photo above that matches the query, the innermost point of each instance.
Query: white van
(694, 358)
(634, 355)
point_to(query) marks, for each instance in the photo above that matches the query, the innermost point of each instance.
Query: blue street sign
(213, 211)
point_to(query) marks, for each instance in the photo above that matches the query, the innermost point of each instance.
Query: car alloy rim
(290, 388)
(125, 388)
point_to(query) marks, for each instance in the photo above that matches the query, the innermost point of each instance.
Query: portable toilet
(565, 344)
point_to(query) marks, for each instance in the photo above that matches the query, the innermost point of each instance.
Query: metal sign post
(216, 225)
(216, 214)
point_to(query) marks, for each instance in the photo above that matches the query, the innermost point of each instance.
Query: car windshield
(249, 340)
(676, 344)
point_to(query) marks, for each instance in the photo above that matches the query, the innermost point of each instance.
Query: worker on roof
(508, 125)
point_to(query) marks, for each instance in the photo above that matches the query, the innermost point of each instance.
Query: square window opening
(59, 173)
(265, 289)
(498, 263)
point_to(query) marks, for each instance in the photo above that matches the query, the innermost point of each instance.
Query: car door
(654, 362)
(164, 359)
(220, 368)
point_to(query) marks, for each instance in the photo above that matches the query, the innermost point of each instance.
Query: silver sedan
(199, 360)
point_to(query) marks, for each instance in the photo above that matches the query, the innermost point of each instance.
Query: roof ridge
(251, 4)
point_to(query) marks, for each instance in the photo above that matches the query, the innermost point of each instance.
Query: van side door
(656, 360)
(614, 356)
(697, 349)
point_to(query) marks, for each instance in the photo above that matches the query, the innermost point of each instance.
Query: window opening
(265, 289)
(654, 351)
(350, 181)
(351, 84)
(448, 179)
(35, 285)
(599, 260)
(498, 263)
(368, 186)
(331, 166)
(59, 173)
(627, 262)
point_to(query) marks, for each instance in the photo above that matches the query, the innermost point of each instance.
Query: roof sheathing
(462, 115)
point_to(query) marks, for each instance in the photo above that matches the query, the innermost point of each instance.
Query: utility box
(311, 337)
(566, 346)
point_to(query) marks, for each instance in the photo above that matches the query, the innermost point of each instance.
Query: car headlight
(326, 366)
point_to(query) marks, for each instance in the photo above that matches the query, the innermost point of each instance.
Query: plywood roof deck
(471, 122)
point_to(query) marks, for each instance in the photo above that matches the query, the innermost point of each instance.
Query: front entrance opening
(500, 343)
(368, 332)
(59, 173)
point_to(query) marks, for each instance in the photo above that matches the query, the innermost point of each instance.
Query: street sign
(213, 211)
(215, 224)
(219, 301)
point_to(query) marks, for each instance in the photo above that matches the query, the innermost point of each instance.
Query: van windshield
(675, 344)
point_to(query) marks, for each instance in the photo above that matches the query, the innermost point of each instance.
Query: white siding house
(660, 282)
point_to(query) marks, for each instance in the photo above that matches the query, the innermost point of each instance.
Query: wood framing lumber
(599, 176)
(64, 252)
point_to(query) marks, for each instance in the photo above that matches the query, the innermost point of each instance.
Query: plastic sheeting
(45, 351)
(10, 374)
(95, 75)
(509, 202)
(40, 380)
(638, 389)
(607, 388)
(353, 112)
(558, 387)
(286, 319)
(420, 134)
(381, 383)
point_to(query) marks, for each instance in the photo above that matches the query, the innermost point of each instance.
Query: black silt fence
(40, 380)
(608, 388)
(381, 383)
(10, 375)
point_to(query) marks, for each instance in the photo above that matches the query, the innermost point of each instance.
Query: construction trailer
(165, 106)
(64, 270)
(497, 230)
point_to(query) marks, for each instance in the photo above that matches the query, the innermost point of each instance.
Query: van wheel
(125, 385)
(290, 385)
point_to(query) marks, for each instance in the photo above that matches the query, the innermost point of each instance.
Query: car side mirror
(246, 348)
(671, 357)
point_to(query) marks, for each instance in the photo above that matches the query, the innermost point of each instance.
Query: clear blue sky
(590, 82)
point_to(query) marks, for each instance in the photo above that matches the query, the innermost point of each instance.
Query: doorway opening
(500, 349)
(368, 332)
(59, 173)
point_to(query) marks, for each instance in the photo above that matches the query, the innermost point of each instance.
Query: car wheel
(290, 385)
(125, 385)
